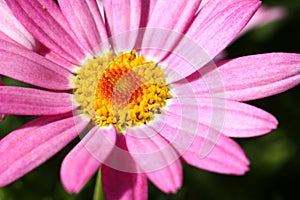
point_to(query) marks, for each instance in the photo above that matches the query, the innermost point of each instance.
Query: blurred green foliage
(274, 157)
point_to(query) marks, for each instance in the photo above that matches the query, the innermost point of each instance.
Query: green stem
(98, 191)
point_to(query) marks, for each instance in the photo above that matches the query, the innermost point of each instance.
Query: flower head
(144, 93)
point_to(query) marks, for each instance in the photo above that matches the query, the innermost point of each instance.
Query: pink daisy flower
(142, 100)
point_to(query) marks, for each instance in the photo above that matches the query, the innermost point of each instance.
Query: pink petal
(32, 144)
(29, 101)
(262, 17)
(253, 77)
(168, 179)
(156, 157)
(44, 20)
(217, 24)
(24, 65)
(123, 186)
(123, 16)
(265, 15)
(199, 145)
(175, 18)
(234, 119)
(258, 76)
(226, 157)
(12, 29)
(86, 22)
(83, 161)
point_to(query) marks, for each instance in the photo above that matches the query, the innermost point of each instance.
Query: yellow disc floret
(123, 91)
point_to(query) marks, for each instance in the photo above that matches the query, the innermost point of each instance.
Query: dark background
(275, 163)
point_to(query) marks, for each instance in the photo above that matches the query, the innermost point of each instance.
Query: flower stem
(98, 191)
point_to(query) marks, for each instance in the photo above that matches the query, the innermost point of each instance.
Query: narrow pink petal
(168, 179)
(226, 156)
(265, 15)
(216, 25)
(28, 101)
(262, 17)
(177, 16)
(156, 157)
(245, 78)
(26, 66)
(123, 16)
(234, 119)
(258, 76)
(44, 20)
(219, 22)
(201, 146)
(12, 28)
(86, 22)
(123, 186)
(174, 18)
(252, 77)
(83, 161)
(32, 144)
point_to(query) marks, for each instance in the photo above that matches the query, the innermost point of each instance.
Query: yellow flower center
(123, 91)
